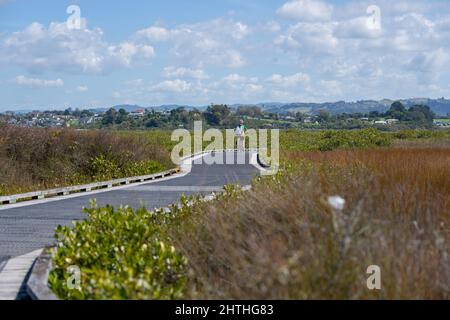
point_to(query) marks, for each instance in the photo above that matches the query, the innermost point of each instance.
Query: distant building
(87, 120)
(383, 122)
(137, 113)
(391, 121)
(441, 123)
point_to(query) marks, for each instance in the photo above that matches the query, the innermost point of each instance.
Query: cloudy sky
(228, 51)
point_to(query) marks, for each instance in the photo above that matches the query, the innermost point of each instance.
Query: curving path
(29, 226)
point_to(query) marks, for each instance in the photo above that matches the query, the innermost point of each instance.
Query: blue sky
(229, 51)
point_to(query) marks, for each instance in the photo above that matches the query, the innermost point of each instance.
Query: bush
(121, 254)
(367, 138)
(421, 134)
(33, 158)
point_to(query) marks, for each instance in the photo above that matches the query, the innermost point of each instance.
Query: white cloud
(430, 65)
(155, 33)
(174, 72)
(116, 94)
(38, 83)
(321, 52)
(309, 38)
(298, 79)
(306, 10)
(236, 86)
(35, 82)
(272, 26)
(176, 85)
(213, 42)
(58, 48)
(135, 82)
(356, 28)
(353, 60)
(82, 88)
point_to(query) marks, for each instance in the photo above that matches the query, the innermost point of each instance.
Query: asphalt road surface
(30, 227)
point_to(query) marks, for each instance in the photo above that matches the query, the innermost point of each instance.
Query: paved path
(27, 227)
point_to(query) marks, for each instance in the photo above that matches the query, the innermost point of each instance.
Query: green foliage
(216, 115)
(122, 254)
(103, 168)
(421, 134)
(296, 140)
(126, 254)
(367, 138)
(142, 168)
(418, 114)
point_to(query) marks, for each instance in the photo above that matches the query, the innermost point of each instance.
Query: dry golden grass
(34, 158)
(282, 240)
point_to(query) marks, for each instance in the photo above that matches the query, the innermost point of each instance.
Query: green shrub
(122, 254)
(104, 168)
(142, 168)
(367, 138)
(421, 134)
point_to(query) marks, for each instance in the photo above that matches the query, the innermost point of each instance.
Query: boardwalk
(27, 227)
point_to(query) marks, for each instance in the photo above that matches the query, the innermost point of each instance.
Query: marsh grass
(282, 240)
(34, 159)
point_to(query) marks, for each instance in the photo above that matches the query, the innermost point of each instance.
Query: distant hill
(439, 106)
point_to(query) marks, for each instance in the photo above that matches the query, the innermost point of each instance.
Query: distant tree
(216, 114)
(374, 114)
(179, 116)
(397, 111)
(420, 113)
(195, 115)
(397, 106)
(77, 113)
(323, 115)
(250, 111)
(121, 116)
(273, 115)
(109, 117)
(153, 123)
(86, 113)
(300, 116)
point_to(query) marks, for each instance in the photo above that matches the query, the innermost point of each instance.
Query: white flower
(336, 202)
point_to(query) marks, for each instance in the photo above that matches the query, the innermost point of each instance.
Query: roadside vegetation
(283, 239)
(35, 159)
